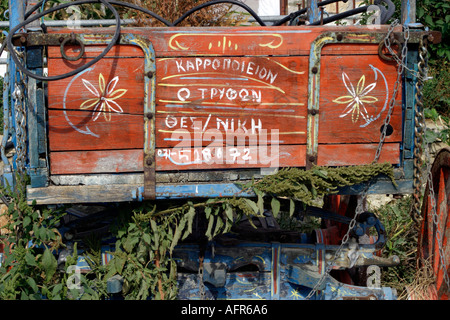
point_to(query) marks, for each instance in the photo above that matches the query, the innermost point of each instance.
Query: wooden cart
(183, 112)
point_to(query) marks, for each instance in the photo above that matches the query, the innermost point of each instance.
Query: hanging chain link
(419, 131)
(420, 152)
(360, 205)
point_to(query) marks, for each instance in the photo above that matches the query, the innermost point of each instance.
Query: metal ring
(72, 39)
(382, 46)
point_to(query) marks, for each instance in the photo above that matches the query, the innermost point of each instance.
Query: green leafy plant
(30, 268)
(436, 91)
(442, 131)
(435, 14)
(147, 237)
(401, 240)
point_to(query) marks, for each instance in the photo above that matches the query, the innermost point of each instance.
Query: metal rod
(83, 23)
(313, 11)
(110, 22)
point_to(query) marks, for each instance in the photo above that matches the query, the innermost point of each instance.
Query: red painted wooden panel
(101, 108)
(220, 80)
(76, 130)
(116, 161)
(230, 157)
(117, 80)
(110, 161)
(92, 51)
(234, 41)
(226, 129)
(355, 92)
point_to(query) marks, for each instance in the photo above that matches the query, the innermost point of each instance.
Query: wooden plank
(356, 154)
(235, 41)
(225, 94)
(76, 130)
(167, 159)
(100, 108)
(244, 41)
(230, 157)
(129, 192)
(217, 130)
(340, 49)
(92, 51)
(232, 84)
(111, 161)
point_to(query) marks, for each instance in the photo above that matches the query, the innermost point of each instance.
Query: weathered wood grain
(356, 154)
(355, 92)
(124, 131)
(83, 194)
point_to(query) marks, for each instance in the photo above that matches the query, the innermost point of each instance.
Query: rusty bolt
(339, 37)
(23, 39)
(313, 112)
(149, 115)
(314, 70)
(150, 74)
(149, 161)
(430, 38)
(312, 158)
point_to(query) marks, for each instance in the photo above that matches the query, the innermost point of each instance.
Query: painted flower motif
(357, 98)
(104, 101)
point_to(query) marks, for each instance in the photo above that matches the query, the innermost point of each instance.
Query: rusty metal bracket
(433, 37)
(72, 40)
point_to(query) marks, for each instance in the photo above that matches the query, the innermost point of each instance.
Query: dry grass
(423, 285)
(217, 15)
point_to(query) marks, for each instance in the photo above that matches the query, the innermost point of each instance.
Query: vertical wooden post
(283, 7)
(408, 12)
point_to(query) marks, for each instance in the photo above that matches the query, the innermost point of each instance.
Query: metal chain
(21, 124)
(387, 42)
(360, 206)
(419, 131)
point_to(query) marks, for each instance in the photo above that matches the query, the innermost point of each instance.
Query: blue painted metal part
(408, 11)
(281, 272)
(262, 271)
(7, 177)
(16, 14)
(313, 11)
(200, 191)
